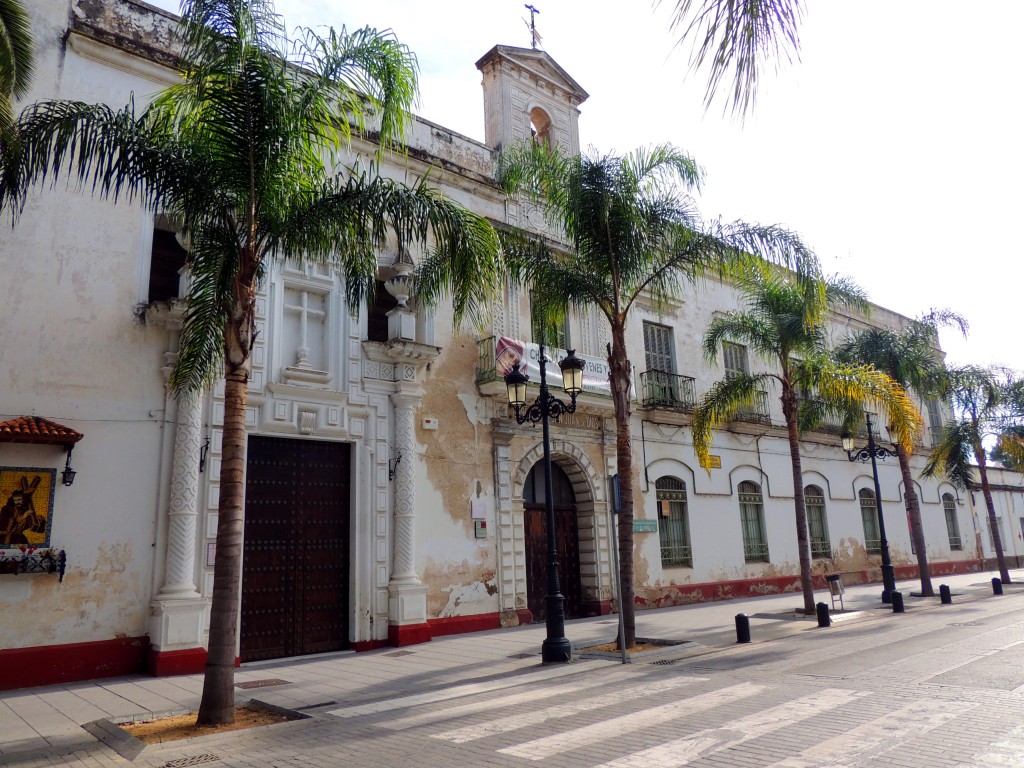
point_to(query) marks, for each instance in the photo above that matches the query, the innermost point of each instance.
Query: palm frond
(738, 36)
(1011, 443)
(719, 405)
(17, 58)
(952, 458)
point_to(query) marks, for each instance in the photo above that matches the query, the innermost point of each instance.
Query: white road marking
(401, 702)
(679, 752)
(515, 722)
(1008, 753)
(450, 713)
(887, 732)
(541, 749)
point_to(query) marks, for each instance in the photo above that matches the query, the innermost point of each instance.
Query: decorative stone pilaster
(407, 595)
(178, 617)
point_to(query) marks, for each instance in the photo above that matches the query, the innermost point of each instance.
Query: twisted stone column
(179, 575)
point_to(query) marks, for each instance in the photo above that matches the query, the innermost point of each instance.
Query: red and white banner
(508, 352)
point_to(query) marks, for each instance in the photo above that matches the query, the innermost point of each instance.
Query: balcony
(757, 412)
(660, 389)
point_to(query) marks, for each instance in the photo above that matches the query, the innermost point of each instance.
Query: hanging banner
(508, 352)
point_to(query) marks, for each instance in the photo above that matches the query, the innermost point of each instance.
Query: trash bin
(835, 589)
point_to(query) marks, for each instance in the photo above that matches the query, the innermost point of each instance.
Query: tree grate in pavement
(396, 654)
(184, 762)
(261, 684)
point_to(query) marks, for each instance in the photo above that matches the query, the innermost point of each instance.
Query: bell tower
(527, 94)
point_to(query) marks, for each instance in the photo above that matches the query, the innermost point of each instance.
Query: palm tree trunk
(619, 366)
(789, 410)
(916, 527)
(993, 523)
(217, 706)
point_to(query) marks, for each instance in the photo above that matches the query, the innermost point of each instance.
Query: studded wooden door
(566, 543)
(296, 554)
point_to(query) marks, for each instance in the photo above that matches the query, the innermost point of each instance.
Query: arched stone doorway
(566, 541)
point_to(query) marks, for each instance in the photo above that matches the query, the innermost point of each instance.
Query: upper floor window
(659, 348)
(735, 360)
(166, 261)
(553, 334)
(377, 308)
(952, 526)
(817, 523)
(934, 421)
(673, 522)
(755, 543)
(869, 517)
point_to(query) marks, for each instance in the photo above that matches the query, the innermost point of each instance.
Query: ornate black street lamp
(873, 452)
(556, 648)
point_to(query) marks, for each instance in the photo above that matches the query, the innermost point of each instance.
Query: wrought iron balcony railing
(757, 412)
(873, 546)
(669, 390)
(821, 549)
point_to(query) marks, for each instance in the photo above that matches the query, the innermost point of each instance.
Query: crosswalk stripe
(450, 713)
(567, 709)
(512, 681)
(679, 752)
(888, 731)
(540, 749)
(1008, 753)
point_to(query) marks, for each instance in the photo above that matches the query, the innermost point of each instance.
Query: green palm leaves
(16, 57)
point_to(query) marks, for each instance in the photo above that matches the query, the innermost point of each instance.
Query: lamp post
(556, 648)
(872, 452)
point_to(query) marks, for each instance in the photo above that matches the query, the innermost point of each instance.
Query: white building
(389, 494)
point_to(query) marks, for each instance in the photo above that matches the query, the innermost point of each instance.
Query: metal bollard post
(742, 628)
(945, 596)
(997, 586)
(823, 617)
(897, 602)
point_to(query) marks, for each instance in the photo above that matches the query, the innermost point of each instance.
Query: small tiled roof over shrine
(34, 429)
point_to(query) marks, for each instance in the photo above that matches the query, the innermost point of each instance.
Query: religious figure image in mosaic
(27, 497)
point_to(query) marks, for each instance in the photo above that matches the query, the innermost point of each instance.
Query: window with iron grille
(673, 522)
(755, 543)
(952, 526)
(869, 515)
(735, 360)
(814, 501)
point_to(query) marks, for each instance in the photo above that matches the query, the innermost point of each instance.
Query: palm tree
(983, 405)
(785, 323)
(16, 57)
(738, 35)
(236, 154)
(911, 358)
(632, 231)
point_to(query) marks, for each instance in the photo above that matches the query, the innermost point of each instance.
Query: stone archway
(588, 485)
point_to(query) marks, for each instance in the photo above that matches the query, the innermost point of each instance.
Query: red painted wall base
(190, 661)
(455, 625)
(408, 634)
(56, 664)
(590, 608)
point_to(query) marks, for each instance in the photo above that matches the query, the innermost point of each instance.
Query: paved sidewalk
(48, 720)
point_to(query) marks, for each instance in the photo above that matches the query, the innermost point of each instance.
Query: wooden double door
(566, 542)
(295, 573)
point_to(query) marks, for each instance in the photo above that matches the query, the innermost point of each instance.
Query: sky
(892, 147)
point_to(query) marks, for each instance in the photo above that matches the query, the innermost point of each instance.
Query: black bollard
(823, 617)
(742, 628)
(997, 586)
(897, 602)
(945, 596)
